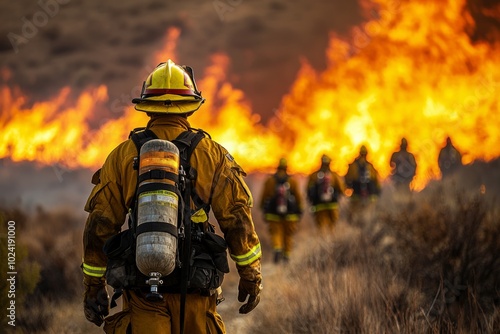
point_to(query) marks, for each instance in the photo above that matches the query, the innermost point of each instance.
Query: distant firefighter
(362, 178)
(403, 166)
(282, 205)
(324, 189)
(449, 159)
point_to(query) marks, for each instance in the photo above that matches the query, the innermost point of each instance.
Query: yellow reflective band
(94, 271)
(276, 218)
(199, 216)
(325, 206)
(292, 218)
(272, 217)
(253, 255)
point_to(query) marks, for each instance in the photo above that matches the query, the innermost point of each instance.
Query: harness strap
(140, 136)
(157, 227)
(186, 260)
(116, 294)
(158, 174)
(186, 142)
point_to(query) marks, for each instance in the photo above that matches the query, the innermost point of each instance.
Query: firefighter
(363, 179)
(324, 188)
(282, 205)
(403, 166)
(449, 159)
(168, 97)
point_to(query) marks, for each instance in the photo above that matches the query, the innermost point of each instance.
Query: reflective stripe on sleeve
(253, 255)
(94, 271)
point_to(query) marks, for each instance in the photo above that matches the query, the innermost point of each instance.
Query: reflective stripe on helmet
(94, 271)
(163, 91)
(250, 257)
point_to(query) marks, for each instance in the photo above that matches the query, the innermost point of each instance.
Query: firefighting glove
(252, 291)
(95, 299)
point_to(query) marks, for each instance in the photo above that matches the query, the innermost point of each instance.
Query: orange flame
(168, 51)
(412, 72)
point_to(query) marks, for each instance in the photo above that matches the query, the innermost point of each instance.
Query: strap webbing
(186, 142)
(141, 136)
(186, 255)
(157, 227)
(150, 187)
(158, 174)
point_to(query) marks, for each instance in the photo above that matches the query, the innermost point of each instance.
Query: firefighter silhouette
(403, 166)
(363, 181)
(449, 159)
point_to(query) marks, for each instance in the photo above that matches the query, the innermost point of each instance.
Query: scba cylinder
(157, 208)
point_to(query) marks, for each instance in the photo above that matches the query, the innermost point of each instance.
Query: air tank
(157, 204)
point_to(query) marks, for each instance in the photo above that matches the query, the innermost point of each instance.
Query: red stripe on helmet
(162, 91)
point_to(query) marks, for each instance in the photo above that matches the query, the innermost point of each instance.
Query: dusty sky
(87, 43)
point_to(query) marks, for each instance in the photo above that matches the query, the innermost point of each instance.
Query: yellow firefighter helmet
(169, 89)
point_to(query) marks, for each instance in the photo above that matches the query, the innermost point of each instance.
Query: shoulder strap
(140, 136)
(186, 142)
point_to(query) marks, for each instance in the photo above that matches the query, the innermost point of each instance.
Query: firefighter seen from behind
(282, 205)
(403, 166)
(324, 190)
(449, 159)
(363, 179)
(165, 178)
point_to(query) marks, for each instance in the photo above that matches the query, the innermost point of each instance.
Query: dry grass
(425, 263)
(51, 243)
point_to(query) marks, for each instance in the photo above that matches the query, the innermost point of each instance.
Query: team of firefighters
(208, 180)
(282, 203)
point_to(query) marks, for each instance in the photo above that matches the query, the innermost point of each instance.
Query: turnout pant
(141, 316)
(281, 233)
(326, 219)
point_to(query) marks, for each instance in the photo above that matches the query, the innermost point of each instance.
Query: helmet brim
(168, 106)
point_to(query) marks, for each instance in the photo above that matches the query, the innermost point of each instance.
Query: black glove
(252, 290)
(95, 299)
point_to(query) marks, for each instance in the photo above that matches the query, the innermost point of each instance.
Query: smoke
(30, 187)
(89, 43)
(486, 14)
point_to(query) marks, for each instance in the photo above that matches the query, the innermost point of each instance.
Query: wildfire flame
(410, 72)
